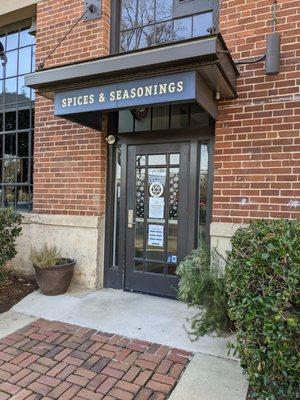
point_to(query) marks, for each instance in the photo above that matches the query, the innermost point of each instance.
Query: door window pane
(140, 160)
(157, 159)
(156, 242)
(172, 241)
(155, 268)
(139, 266)
(139, 239)
(140, 193)
(172, 270)
(173, 193)
(157, 175)
(174, 159)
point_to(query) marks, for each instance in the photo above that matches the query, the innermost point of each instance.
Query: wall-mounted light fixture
(272, 54)
(111, 139)
(273, 47)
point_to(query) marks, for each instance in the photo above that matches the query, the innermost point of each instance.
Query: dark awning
(208, 56)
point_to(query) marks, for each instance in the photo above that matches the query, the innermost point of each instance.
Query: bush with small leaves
(263, 273)
(202, 285)
(10, 230)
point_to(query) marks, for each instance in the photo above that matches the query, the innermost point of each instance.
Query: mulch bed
(13, 289)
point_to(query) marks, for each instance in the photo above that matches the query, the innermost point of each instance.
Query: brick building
(154, 127)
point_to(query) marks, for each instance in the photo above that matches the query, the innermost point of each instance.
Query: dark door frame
(114, 276)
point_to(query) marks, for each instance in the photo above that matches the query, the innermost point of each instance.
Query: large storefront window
(16, 119)
(147, 23)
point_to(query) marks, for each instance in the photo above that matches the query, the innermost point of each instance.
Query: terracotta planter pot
(56, 280)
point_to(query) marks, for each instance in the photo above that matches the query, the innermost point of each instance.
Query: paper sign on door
(156, 235)
(156, 207)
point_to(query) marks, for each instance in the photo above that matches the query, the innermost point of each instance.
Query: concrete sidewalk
(133, 315)
(211, 375)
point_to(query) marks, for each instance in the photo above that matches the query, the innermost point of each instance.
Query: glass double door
(157, 216)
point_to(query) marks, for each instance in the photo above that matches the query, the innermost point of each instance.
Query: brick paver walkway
(53, 360)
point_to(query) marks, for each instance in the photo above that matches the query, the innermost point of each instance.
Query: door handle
(131, 223)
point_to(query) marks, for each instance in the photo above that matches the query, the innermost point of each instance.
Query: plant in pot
(53, 272)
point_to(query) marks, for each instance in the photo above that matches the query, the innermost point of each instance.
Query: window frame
(181, 8)
(16, 106)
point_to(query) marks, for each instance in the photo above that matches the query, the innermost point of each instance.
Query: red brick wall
(257, 152)
(70, 160)
(257, 135)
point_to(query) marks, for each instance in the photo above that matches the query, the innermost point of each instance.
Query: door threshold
(150, 294)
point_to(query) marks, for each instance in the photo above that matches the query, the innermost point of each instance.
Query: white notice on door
(156, 235)
(156, 207)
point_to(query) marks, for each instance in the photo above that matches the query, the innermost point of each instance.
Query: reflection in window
(16, 120)
(203, 190)
(164, 117)
(146, 23)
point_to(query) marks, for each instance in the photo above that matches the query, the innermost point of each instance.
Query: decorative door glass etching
(156, 213)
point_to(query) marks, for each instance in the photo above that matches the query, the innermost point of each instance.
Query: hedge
(263, 288)
(10, 229)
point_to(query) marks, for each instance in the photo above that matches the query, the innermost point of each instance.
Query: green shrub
(46, 257)
(202, 285)
(10, 229)
(263, 287)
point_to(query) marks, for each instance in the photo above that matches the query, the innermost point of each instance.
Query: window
(156, 118)
(203, 194)
(16, 119)
(147, 23)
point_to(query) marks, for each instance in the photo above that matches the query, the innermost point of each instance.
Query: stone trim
(15, 11)
(61, 220)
